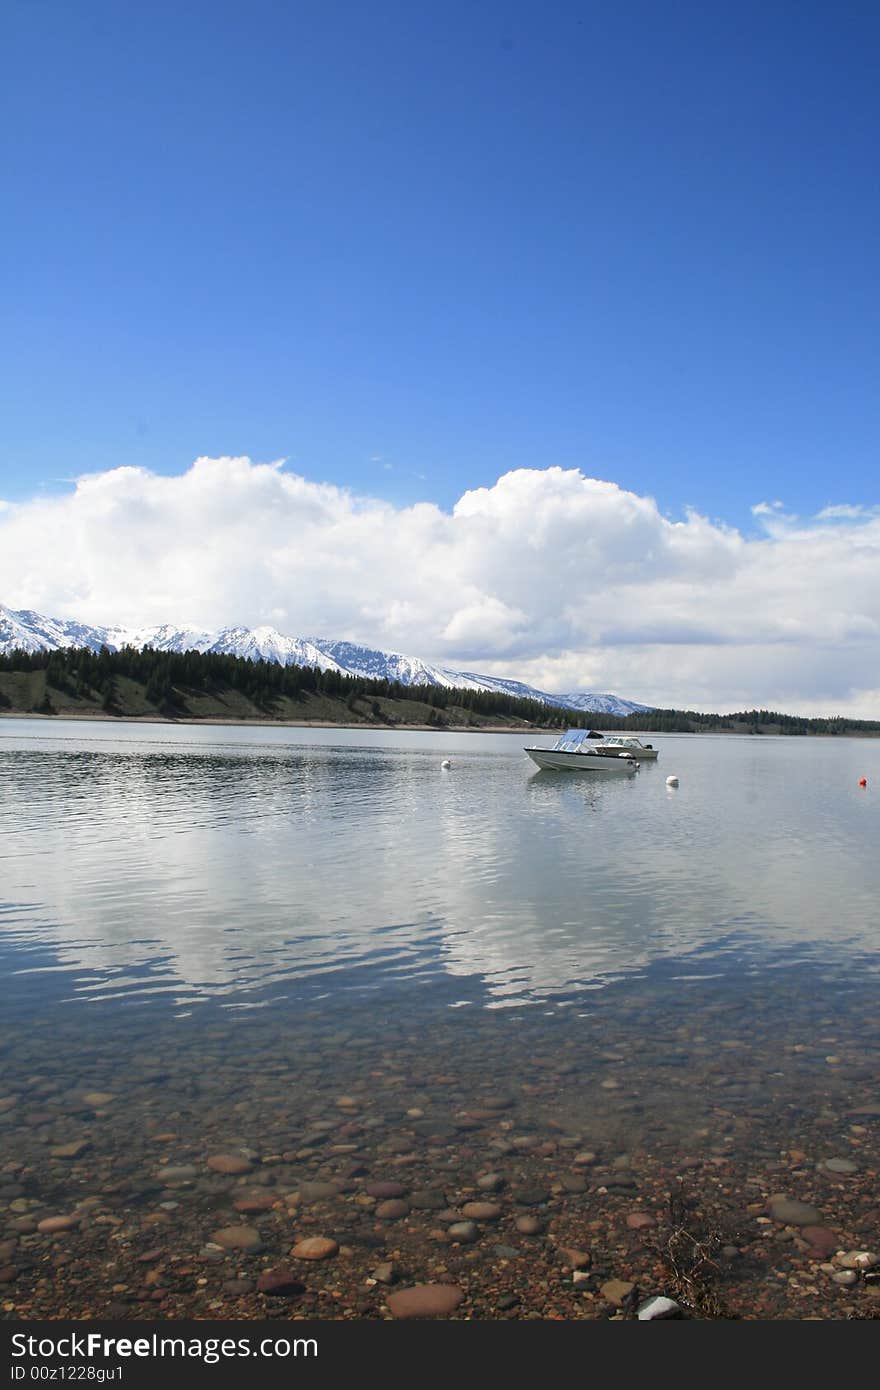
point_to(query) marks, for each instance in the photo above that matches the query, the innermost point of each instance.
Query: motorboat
(645, 752)
(574, 752)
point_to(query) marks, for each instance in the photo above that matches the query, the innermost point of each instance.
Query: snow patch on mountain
(28, 631)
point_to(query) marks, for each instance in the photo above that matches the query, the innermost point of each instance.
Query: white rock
(658, 1307)
(858, 1259)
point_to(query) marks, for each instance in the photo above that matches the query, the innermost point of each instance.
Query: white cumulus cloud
(547, 576)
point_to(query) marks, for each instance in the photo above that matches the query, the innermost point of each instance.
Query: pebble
(315, 1248)
(238, 1286)
(639, 1221)
(846, 1277)
(529, 1225)
(659, 1307)
(253, 1202)
(176, 1174)
(575, 1259)
(428, 1199)
(425, 1301)
(385, 1273)
(530, 1196)
(280, 1283)
(385, 1189)
(490, 1182)
(858, 1259)
(50, 1225)
(793, 1213)
(844, 1166)
(465, 1232)
(570, 1182)
(98, 1099)
(616, 1290)
(230, 1163)
(244, 1238)
(318, 1191)
(392, 1210)
(73, 1150)
(481, 1211)
(822, 1242)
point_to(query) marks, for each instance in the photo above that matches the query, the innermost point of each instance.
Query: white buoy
(672, 781)
(446, 763)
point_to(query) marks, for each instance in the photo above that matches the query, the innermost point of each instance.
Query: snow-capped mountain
(24, 630)
(598, 704)
(31, 632)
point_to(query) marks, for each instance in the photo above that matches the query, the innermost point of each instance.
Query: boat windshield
(573, 741)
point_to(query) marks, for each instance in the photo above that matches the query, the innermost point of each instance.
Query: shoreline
(279, 723)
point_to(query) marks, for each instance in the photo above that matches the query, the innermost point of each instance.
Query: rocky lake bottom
(711, 1143)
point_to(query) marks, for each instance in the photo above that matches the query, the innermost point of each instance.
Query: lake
(243, 935)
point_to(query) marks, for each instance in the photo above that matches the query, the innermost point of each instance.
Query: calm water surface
(253, 866)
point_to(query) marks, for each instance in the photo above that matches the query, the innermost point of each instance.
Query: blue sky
(411, 247)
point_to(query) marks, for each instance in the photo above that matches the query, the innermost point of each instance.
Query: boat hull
(583, 762)
(639, 751)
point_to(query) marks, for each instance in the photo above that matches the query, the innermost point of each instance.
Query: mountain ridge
(27, 630)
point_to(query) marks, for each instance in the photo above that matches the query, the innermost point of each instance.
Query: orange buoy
(863, 781)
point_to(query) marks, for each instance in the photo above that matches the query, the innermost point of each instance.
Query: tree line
(167, 677)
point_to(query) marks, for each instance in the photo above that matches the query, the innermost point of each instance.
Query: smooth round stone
(229, 1163)
(844, 1166)
(98, 1099)
(425, 1301)
(244, 1238)
(392, 1210)
(793, 1213)
(530, 1196)
(822, 1242)
(280, 1283)
(318, 1191)
(490, 1182)
(575, 1259)
(845, 1277)
(585, 1159)
(238, 1286)
(859, 1259)
(570, 1182)
(52, 1224)
(529, 1225)
(315, 1248)
(481, 1211)
(428, 1199)
(72, 1150)
(465, 1232)
(639, 1221)
(616, 1290)
(385, 1189)
(253, 1202)
(177, 1173)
